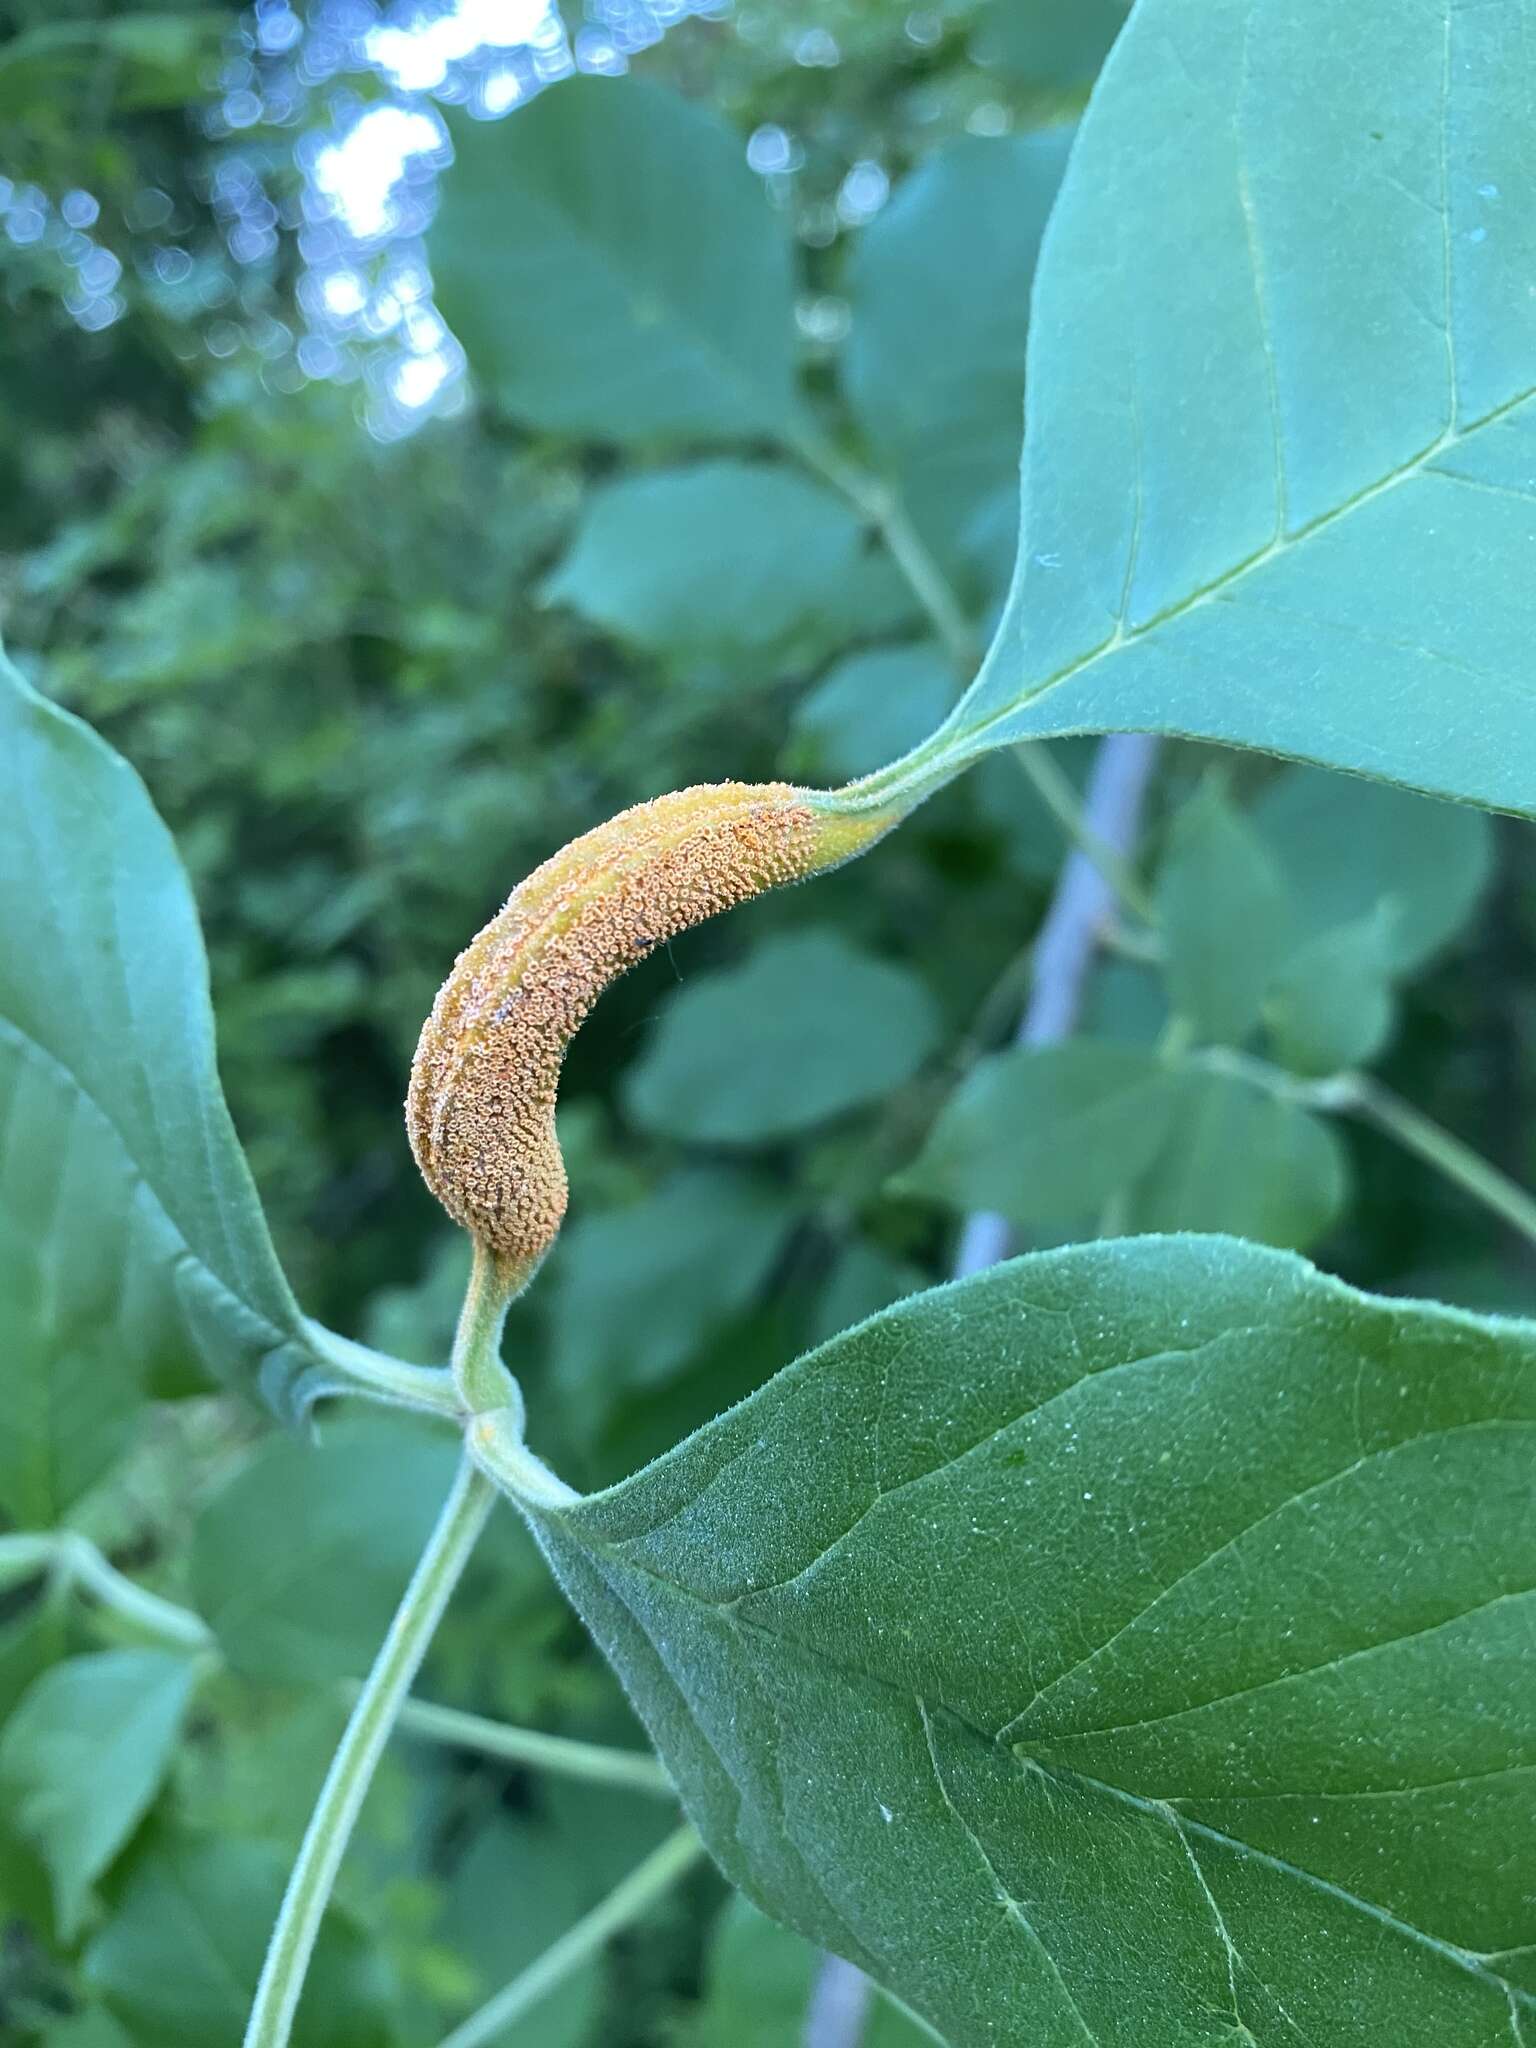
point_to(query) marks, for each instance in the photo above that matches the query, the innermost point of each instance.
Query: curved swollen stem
(357, 1756)
(626, 1902)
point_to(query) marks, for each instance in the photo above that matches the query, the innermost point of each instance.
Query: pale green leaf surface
(83, 1756)
(636, 1290)
(1046, 1134)
(1331, 1004)
(517, 1888)
(1351, 850)
(300, 1520)
(91, 2027)
(1224, 918)
(1279, 480)
(179, 1960)
(562, 261)
(806, 1028)
(1152, 1619)
(1240, 1159)
(721, 558)
(934, 367)
(1046, 44)
(131, 1220)
(871, 707)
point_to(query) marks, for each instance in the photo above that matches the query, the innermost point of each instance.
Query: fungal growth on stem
(481, 1108)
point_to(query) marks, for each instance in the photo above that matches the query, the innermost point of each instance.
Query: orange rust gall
(481, 1107)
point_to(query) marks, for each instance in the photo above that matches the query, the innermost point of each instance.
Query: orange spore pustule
(481, 1106)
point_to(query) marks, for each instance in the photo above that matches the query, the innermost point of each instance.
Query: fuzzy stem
(357, 1756)
(79, 1563)
(1437, 1147)
(484, 1384)
(625, 1903)
(635, 1770)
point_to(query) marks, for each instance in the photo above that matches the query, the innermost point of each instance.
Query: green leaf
(637, 1290)
(758, 1982)
(1350, 850)
(1224, 917)
(1331, 1005)
(83, 1756)
(1150, 1619)
(178, 1964)
(1047, 1134)
(722, 558)
(934, 366)
(517, 1889)
(1047, 45)
(299, 1521)
(140, 62)
(806, 1028)
(93, 2027)
(613, 270)
(129, 1210)
(1240, 1159)
(871, 707)
(70, 1391)
(1277, 480)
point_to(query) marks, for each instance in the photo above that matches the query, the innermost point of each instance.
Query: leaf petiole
(357, 1755)
(624, 1904)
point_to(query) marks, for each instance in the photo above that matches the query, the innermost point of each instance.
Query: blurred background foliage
(382, 630)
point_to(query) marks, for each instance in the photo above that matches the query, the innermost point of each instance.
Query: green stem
(495, 1442)
(934, 592)
(374, 1373)
(357, 1756)
(484, 1384)
(79, 1563)
(625, 1903)
(1420, 1135)
(24, 1555)
(632, 1769)
(880, 505)
(1055, 790)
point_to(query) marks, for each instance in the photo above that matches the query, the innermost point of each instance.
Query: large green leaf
(1241, 1159)
(807, 1028)
(723, 558)
(179, 1960)
(613, 269)
(82, 1757)
(1353, 851)
(300, 1520)
(934, 366)
(1278, 475)
(1048, 1133)
(1224, 917)
(1133, 1643)
(130, 1217)
(637, 1290)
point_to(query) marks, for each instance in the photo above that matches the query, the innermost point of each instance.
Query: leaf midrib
(1126, 636)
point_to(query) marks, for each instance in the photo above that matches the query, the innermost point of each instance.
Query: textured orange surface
(481, 1107)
